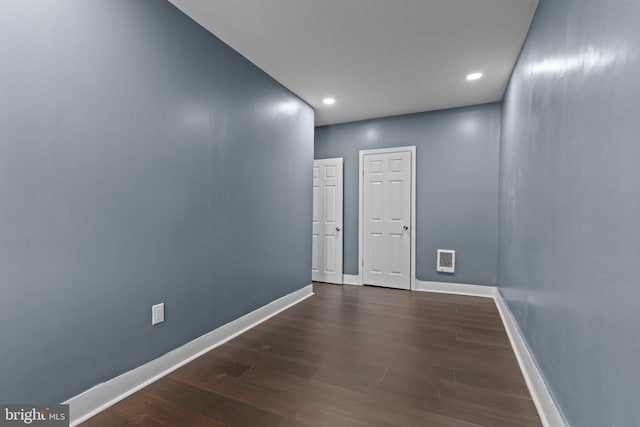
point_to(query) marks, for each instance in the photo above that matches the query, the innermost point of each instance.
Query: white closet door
(326, 265)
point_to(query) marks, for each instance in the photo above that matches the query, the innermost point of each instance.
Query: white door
(326, 265)
(387, 180)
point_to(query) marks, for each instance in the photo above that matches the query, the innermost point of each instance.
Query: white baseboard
(98, 398)
(456, 288)
(547, 409)
(350, 279)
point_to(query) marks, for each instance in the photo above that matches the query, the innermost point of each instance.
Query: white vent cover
(446, 261)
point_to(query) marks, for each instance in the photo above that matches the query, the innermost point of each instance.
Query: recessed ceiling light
(329, 101)
(474, 76)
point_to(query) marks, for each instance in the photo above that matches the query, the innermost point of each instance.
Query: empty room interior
(320, 213)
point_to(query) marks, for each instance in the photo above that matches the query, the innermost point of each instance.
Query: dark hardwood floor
(348, 356)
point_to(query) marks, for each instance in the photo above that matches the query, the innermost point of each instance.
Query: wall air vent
(446, 261)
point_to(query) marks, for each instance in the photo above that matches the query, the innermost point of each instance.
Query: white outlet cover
(157, 314)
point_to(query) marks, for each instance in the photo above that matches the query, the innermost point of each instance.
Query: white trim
(456, 288)
(96, 399)
(362, 153)
(547, 409)
(350, 279)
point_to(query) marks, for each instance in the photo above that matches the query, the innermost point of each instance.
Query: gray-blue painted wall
(141, 161)
(456, 189)
(569, 252)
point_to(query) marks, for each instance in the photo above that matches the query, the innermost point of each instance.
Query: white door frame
(412, 150)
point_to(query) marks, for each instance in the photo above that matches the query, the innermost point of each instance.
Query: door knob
(337, 228)
(405, 228)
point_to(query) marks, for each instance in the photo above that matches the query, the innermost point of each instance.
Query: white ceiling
(375, 57)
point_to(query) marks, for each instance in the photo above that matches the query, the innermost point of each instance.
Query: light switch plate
(157, 314)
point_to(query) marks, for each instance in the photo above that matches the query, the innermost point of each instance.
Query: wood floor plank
(144, 409)
(338, 399)
(349, 356)
(297, 405)
(492, 380)
(107, 418)
(215, 406)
